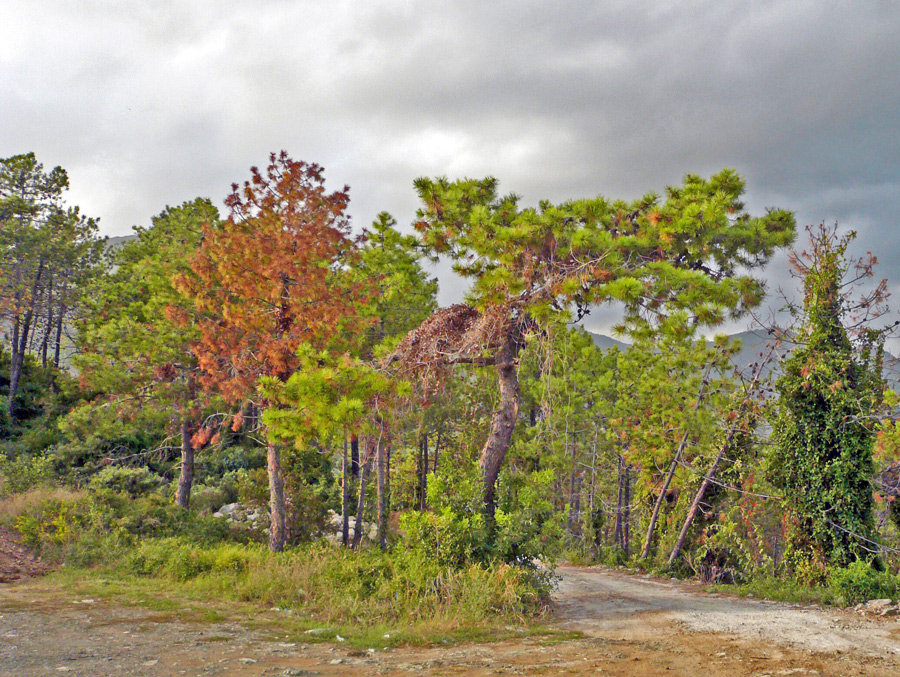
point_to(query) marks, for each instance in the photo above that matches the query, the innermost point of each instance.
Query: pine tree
(50, 253)
(689, 251)
(137, 341)
(271, 277)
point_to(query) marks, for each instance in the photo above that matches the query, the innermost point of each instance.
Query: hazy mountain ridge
(754, 346)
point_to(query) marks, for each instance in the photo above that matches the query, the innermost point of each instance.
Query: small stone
(64, 668)
(150, 664)
(891, 611)
(248, 661)
(339, 638)
(318, 631)
(337, 661)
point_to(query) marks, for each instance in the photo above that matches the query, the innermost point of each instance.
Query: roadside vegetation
(268, 407)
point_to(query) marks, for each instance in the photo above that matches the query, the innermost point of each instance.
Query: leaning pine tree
(828, 395)
(689, 252)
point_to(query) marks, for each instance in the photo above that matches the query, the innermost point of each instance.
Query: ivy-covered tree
(829, 392)
(269, 278)
(688, 251)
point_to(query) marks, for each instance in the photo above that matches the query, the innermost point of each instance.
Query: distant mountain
(604, 342)
(754, 347)
(116, 242)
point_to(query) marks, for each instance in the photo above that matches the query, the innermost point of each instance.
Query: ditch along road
(612, 623)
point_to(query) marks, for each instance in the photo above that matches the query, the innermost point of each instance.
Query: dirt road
(630, 626)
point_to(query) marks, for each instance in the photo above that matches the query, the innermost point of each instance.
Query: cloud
(152, 104)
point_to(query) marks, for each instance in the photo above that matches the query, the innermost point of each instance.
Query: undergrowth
(406, 593)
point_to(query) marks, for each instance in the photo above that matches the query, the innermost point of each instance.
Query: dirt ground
(629, 625)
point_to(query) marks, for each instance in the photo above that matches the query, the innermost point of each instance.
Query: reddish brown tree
(268, 279)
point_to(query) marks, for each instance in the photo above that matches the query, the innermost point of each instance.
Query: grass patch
(779, 590)
(369, 598)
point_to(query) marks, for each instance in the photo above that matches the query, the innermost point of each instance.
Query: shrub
(860, 582)
(24, 473)
(133, 482)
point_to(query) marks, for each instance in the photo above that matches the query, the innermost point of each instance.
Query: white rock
(877, 605)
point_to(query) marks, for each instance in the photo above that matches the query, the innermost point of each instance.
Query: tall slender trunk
(186, 476)
(365, 470)
(423, 502)
(573, 476)
(14, 369)
(503, 422)
(48, 329)
(21, 334)
(676, 459)
(345, 497)
(60, 316)
(657, 507)
(740, 425)
(277, 512)
(626, 516)
(354, 455)
(619, 533)
(383, 500)
(437, 449)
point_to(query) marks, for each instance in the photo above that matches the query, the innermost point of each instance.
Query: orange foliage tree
(269, 278)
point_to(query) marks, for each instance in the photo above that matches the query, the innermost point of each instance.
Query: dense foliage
(830, 391)
(271, 378)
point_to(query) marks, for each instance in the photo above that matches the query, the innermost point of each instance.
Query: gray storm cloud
(148, 104)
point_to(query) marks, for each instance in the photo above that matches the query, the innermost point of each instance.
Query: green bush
(132, 482)
(860, 582)
(23, 473)
(207, 499)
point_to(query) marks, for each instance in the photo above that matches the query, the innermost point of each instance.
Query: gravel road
(628, 625)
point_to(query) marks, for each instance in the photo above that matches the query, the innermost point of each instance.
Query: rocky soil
(15, 561)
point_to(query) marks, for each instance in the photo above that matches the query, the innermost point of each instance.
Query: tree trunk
(626, 517)
(423, 502)
(573, 476)
(48, 329)
(383, 506)
(345, 497)
(676, 459)
(20, 341)
(695, 506)
(277, 512)
(657, 507)
(354, 455)
(619, 533)
(503, 422)
(57, 346)
(186, 477)
(726, 444)
(365, 470)
(437, 449)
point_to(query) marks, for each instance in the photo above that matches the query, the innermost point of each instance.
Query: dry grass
(11, 507)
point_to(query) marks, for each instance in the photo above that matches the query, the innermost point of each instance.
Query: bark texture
(503, 422)
(186, 476)
(277, 512)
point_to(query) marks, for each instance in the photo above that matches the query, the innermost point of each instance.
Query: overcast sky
(154, 103)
